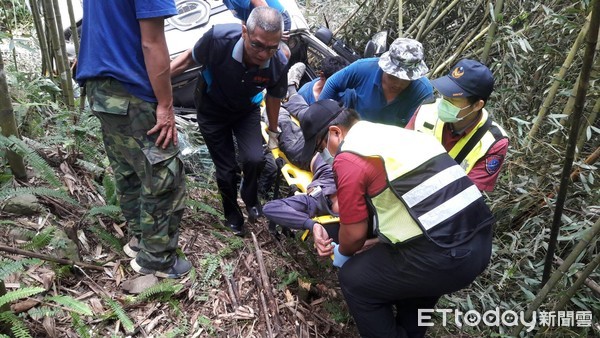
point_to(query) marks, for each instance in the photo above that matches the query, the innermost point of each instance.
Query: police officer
(461, 123)
(433, 228)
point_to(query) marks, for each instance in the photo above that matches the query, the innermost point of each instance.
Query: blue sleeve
(146, 9)
(423, 92)
(337, 84)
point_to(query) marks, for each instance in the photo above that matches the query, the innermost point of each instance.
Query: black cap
(315, 122)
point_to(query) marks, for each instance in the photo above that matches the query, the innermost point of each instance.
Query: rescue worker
(461, 123)
(387, 89)
(240, 62)
(124, 64)
(433, 228)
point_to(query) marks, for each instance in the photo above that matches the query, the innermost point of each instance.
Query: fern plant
(118, 312)
(6, 193)
(72, 304)
(32, 158)
(9, 267)
(42, 239)
(204, 207)
(44, 311)
(108, 239)
(112, 211)
(161, 291)
(17, 327)
(80, 327)
(12, 296)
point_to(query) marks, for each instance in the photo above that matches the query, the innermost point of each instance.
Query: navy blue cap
(315, 122)
(467, 78)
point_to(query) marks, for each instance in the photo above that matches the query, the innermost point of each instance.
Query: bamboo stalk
(439, 18)
(557, 81)
(427, 16)
(350, 17)
(590, 121)
(54, 45)
(387, 13)
(400, 22)
(456, 35)
(8, 126)
(570, 105)
(582, 278)
(412, 26)
(492, 31)
(589, 160)
(459, 51)
(74, 33)
(586, 67)
(64, 58)
(557, 275)
(42, 39)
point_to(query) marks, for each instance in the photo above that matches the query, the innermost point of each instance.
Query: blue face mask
(447, 112)
(326, 156)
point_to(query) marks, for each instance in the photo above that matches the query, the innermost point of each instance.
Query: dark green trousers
(150, 180)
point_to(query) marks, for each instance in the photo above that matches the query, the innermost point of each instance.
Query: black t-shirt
(229, 84)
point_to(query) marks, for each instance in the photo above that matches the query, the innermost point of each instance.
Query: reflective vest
(427, 121)
(427, 193)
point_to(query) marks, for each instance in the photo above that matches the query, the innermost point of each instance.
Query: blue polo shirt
(367, 98)
(111, 43)
(306, 91)
(241, 9)
(229, 83)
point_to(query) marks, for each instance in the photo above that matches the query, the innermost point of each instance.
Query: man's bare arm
(156, 57)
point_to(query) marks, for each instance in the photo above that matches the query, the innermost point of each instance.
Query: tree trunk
(8, 124)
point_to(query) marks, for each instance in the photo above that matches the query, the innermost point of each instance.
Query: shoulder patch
(493, 163)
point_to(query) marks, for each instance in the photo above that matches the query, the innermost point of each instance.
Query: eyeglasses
(259, 47)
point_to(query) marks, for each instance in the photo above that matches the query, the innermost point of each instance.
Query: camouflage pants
(150, 181)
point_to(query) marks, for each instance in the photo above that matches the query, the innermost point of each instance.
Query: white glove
(273, 138)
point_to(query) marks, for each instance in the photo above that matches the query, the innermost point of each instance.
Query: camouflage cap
(404, 59)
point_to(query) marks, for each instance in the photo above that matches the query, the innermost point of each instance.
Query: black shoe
(180, 267)
(132, 248)
(254, 213)
(237, 230)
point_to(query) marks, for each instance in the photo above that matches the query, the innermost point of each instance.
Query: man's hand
(322, 240)
(165, 125)
(369, 244)
(273, 139)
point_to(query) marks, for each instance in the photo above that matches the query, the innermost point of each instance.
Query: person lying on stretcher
(298, 211)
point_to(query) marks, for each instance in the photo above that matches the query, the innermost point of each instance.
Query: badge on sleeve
(493, 163)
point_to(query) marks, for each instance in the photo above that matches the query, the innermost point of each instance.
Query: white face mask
(447, 112)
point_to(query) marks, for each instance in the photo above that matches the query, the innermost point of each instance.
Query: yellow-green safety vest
(427, 192)
(427, 121)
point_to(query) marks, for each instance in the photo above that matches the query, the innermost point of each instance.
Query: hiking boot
(237, 230)
(180, 267)
(132, 248)
(254, 213)
(295, 74)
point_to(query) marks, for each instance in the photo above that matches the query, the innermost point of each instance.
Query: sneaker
(254, 213)
(295, 74)
(180, 268)
(237, 230)
(132, 248)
